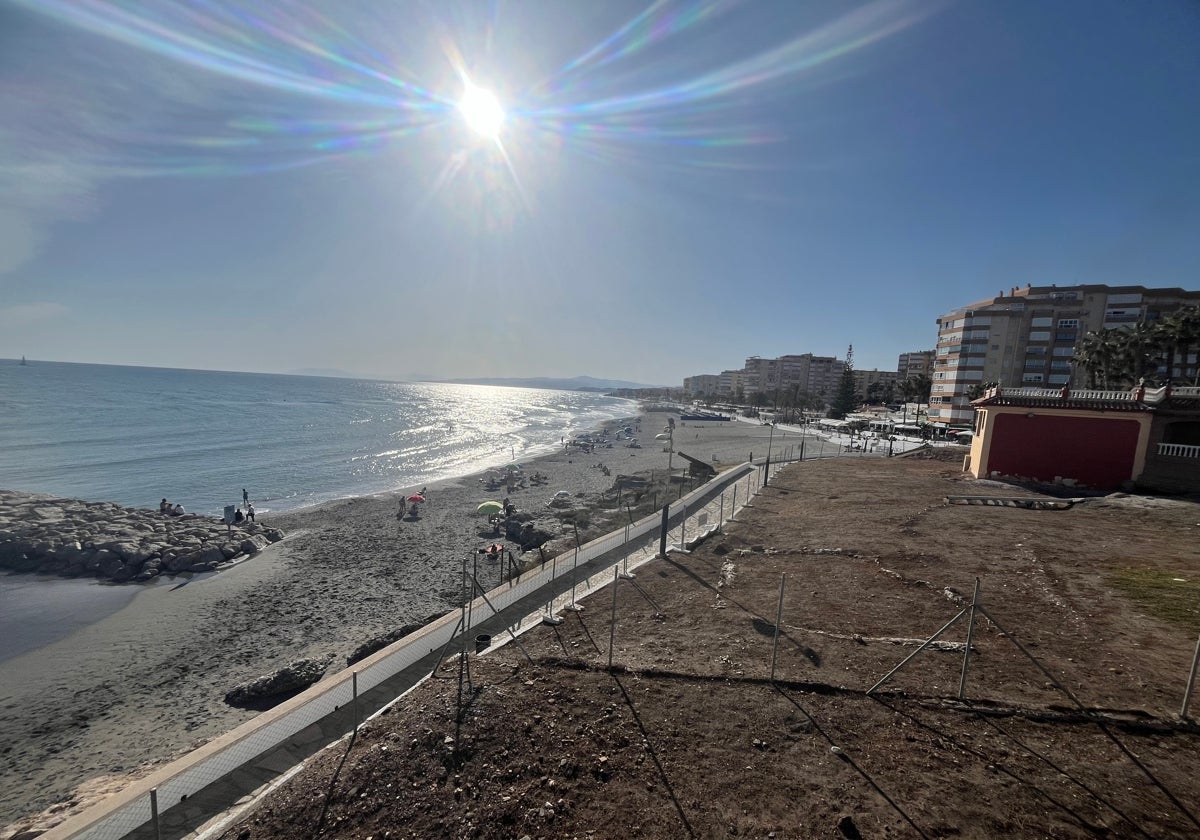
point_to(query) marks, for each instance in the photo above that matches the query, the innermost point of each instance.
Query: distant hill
(334, 372)
(576, 383)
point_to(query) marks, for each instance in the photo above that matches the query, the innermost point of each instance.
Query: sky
(675, 186)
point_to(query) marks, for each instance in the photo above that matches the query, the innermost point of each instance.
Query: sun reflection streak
(362, 99)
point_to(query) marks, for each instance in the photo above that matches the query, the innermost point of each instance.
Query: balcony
(1179, 450)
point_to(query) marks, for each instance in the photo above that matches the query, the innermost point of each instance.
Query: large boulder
(108, 563)
(267, 690)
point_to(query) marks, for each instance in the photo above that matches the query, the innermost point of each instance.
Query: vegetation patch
(1171, 596)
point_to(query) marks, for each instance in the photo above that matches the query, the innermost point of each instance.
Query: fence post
(662, 534)
(154, 813)
(1187, 693)
(778, 621)
(683, 530)
(612, 621)
(354, 691)
(962, 681)
(721, 516)
(575, 576)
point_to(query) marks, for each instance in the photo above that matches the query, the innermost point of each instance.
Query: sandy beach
(84, 715)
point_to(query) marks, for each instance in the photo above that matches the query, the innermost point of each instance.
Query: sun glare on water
(481, 111)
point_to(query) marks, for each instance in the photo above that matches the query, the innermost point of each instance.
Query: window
(1035, 351)
(1059, 378)
(1039, 336)
(1068, 323)
(1032, 377)
(1041, 322)
(1064, 351)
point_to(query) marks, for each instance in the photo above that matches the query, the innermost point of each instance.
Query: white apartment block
(916, 363)
(701, 385)
(815, 375)
(1028, 337)
(863, 379)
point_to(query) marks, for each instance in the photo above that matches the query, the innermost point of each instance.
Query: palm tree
(1179, 334)
(1097, 353)
(921, 388)
(1138, 352)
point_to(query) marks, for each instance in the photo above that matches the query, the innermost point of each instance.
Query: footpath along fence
(145, 806)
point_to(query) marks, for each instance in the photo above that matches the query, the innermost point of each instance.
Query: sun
(481, 111)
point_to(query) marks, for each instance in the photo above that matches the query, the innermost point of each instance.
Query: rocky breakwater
(66, 537)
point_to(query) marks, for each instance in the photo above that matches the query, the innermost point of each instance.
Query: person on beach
(164, 506)
(178, 510)
(245, 497)
(239, 517)
(250, 511)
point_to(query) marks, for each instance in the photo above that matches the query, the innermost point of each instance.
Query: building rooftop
(1135, 399)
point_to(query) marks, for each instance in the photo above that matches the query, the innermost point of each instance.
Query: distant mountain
(334, 372)
(576, 383)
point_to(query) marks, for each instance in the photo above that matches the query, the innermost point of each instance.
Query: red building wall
(1096, 452)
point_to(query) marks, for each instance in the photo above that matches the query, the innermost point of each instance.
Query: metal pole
(683, 530)
(575, 577)
(962, 681)
(354, 690)
(721, 517)
(154, 813)
(733, 507)
(612, 621)
(662, 533)
(770, 440)
(1187, 694)
(778, 621)
(924, 645)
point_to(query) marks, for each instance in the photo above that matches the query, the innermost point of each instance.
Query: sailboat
(23, 362)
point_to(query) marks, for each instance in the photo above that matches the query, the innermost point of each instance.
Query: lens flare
(481, 111)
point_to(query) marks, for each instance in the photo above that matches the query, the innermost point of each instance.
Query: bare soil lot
(687, 735)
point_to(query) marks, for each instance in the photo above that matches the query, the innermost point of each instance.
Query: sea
(136, 435)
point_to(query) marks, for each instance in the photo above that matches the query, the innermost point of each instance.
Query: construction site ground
(1069, 725)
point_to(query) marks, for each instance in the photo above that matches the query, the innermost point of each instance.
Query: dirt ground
(1069, 728)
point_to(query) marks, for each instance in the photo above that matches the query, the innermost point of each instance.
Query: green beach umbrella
(488, 508)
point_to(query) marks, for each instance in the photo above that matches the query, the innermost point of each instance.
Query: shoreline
(146, 683)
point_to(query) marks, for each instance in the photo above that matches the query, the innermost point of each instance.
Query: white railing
(1179, 450)
(1057, 394)
(1118, 396)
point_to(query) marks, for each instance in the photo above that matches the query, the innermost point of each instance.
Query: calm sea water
(136, 435)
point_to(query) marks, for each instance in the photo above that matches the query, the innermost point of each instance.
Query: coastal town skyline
(657, 188)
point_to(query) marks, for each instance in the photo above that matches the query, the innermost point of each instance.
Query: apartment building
(815, 375)
(916, 363)
(700, 385)
(1028, 337)
(864, 379)
(730, 381)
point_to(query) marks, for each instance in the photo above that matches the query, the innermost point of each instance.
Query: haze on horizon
(658, 188)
